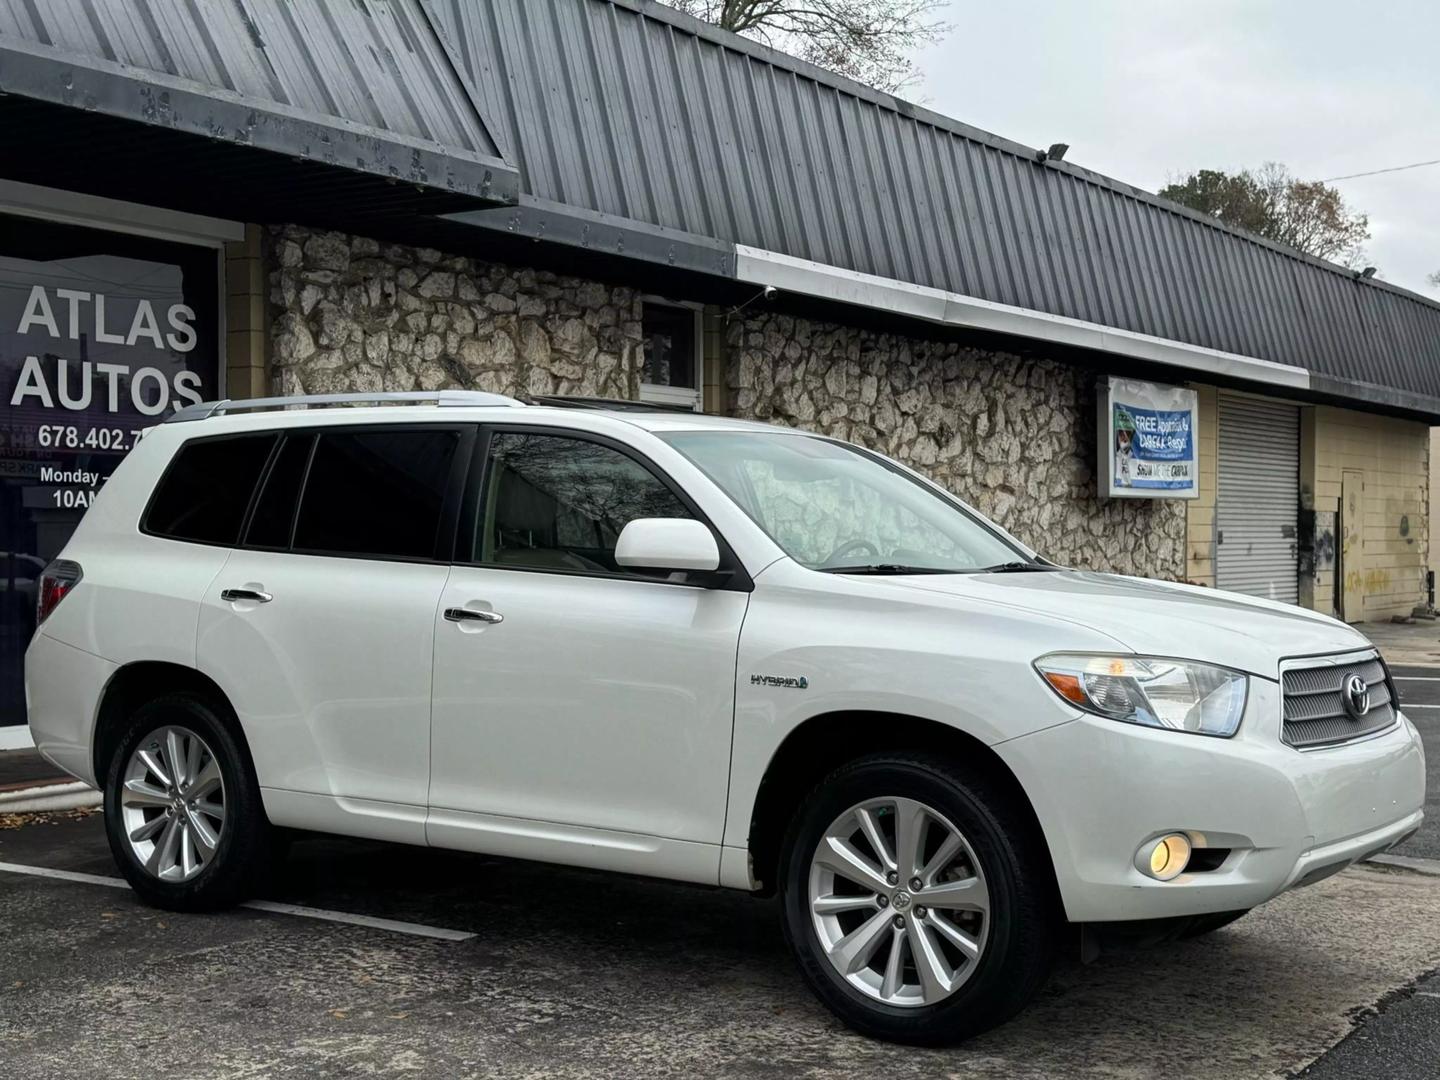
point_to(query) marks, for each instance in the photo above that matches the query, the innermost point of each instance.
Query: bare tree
(1434, 279)
(871, 41)
(1273, 202)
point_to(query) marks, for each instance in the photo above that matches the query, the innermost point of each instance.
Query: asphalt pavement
(1401, 1041)
(1419, 689)
(557, 972)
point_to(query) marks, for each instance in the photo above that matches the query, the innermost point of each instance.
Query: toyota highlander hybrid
(699, 649)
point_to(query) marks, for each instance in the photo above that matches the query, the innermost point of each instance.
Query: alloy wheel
(172, 804)
(899, 902)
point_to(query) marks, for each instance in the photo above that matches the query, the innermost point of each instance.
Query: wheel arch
(823, 743)
(145, 680)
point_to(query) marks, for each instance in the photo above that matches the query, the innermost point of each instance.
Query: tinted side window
(559, 503)
(274, 514)
(206, 490)
(376, 493)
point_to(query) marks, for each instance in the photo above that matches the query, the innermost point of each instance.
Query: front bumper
(1102, 788)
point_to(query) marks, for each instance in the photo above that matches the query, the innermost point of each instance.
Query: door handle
(260, 596)
(464, 614)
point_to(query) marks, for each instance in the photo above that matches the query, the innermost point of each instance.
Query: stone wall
(352, 314)
(1013, 437)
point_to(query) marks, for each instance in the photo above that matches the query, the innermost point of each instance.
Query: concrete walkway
(1415, 644)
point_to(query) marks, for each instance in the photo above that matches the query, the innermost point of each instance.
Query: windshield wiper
(1016, 567)
(883, 568)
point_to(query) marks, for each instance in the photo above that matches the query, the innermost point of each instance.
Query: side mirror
(667, 544)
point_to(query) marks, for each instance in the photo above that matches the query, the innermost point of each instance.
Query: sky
(1146, 90)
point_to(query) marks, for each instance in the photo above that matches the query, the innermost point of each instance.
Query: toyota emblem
(1356, 695)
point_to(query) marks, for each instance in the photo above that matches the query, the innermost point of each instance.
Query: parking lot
(572, 973)
(547, 971)
(373, 959)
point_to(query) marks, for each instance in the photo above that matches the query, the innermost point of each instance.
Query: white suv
(698, 649)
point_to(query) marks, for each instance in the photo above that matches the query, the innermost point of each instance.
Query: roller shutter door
(1257, 504)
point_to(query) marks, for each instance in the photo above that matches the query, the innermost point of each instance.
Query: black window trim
(455, 487)
(286, 434)
(143, 526)
(730, 577)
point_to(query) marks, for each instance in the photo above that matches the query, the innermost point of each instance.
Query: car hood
(1157, 617)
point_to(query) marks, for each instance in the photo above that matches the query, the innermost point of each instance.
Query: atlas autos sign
(101, 336)
(1146, 441)
(50, 379)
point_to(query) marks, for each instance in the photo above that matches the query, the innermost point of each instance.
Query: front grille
(1315, 713)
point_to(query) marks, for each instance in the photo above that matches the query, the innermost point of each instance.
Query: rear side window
(274, 515)
(206, 490)
(378, 493)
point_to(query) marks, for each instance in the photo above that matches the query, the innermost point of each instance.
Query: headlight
(1174, 694)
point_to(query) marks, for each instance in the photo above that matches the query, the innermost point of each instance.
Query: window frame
(677, 395)
(731, 575)
(449, 509)
(286, 434)
(143, 525)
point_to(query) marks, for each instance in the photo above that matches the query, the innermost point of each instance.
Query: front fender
(843, 648)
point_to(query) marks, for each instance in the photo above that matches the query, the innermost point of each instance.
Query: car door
(321, 626)
(588, 707)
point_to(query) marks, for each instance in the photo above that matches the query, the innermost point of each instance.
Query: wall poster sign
(1146, 441)
(101, 335)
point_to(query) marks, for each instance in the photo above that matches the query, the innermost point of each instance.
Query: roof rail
(580, 401)
(205, 409)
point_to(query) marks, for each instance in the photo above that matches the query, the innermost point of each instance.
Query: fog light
(1167, 857)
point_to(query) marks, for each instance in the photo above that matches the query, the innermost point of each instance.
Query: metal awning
(318, 88)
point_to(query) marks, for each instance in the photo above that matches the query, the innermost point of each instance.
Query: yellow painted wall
(246, 332)
(1394, 456)
(1200, 512)
(1434, 497)
(712, 346)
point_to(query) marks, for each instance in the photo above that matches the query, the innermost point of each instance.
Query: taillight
(59, 578)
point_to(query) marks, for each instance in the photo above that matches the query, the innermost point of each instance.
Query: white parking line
(1416, 678)
(413, 929)
(1406, 706)
(393, 925)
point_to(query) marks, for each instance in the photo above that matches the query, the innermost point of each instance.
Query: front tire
(917, 899)
(182, 807)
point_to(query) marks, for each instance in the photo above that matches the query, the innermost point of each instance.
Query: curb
(1428, 867)
(66, 796)
(16, 738)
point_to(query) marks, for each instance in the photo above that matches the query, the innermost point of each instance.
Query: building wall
(1434, 518)
(1200, 511)
(351, 314)
(1014, 437)
(247, 340)
(1394, 457)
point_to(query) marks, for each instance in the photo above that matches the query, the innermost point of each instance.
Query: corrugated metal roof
(628, 109)
(364, 84)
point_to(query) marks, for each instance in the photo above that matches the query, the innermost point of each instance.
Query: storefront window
(101, 335)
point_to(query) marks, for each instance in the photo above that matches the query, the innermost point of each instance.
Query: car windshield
(833, 507)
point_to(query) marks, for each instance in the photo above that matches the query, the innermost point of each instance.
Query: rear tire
(182, 806)
(953, 940)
